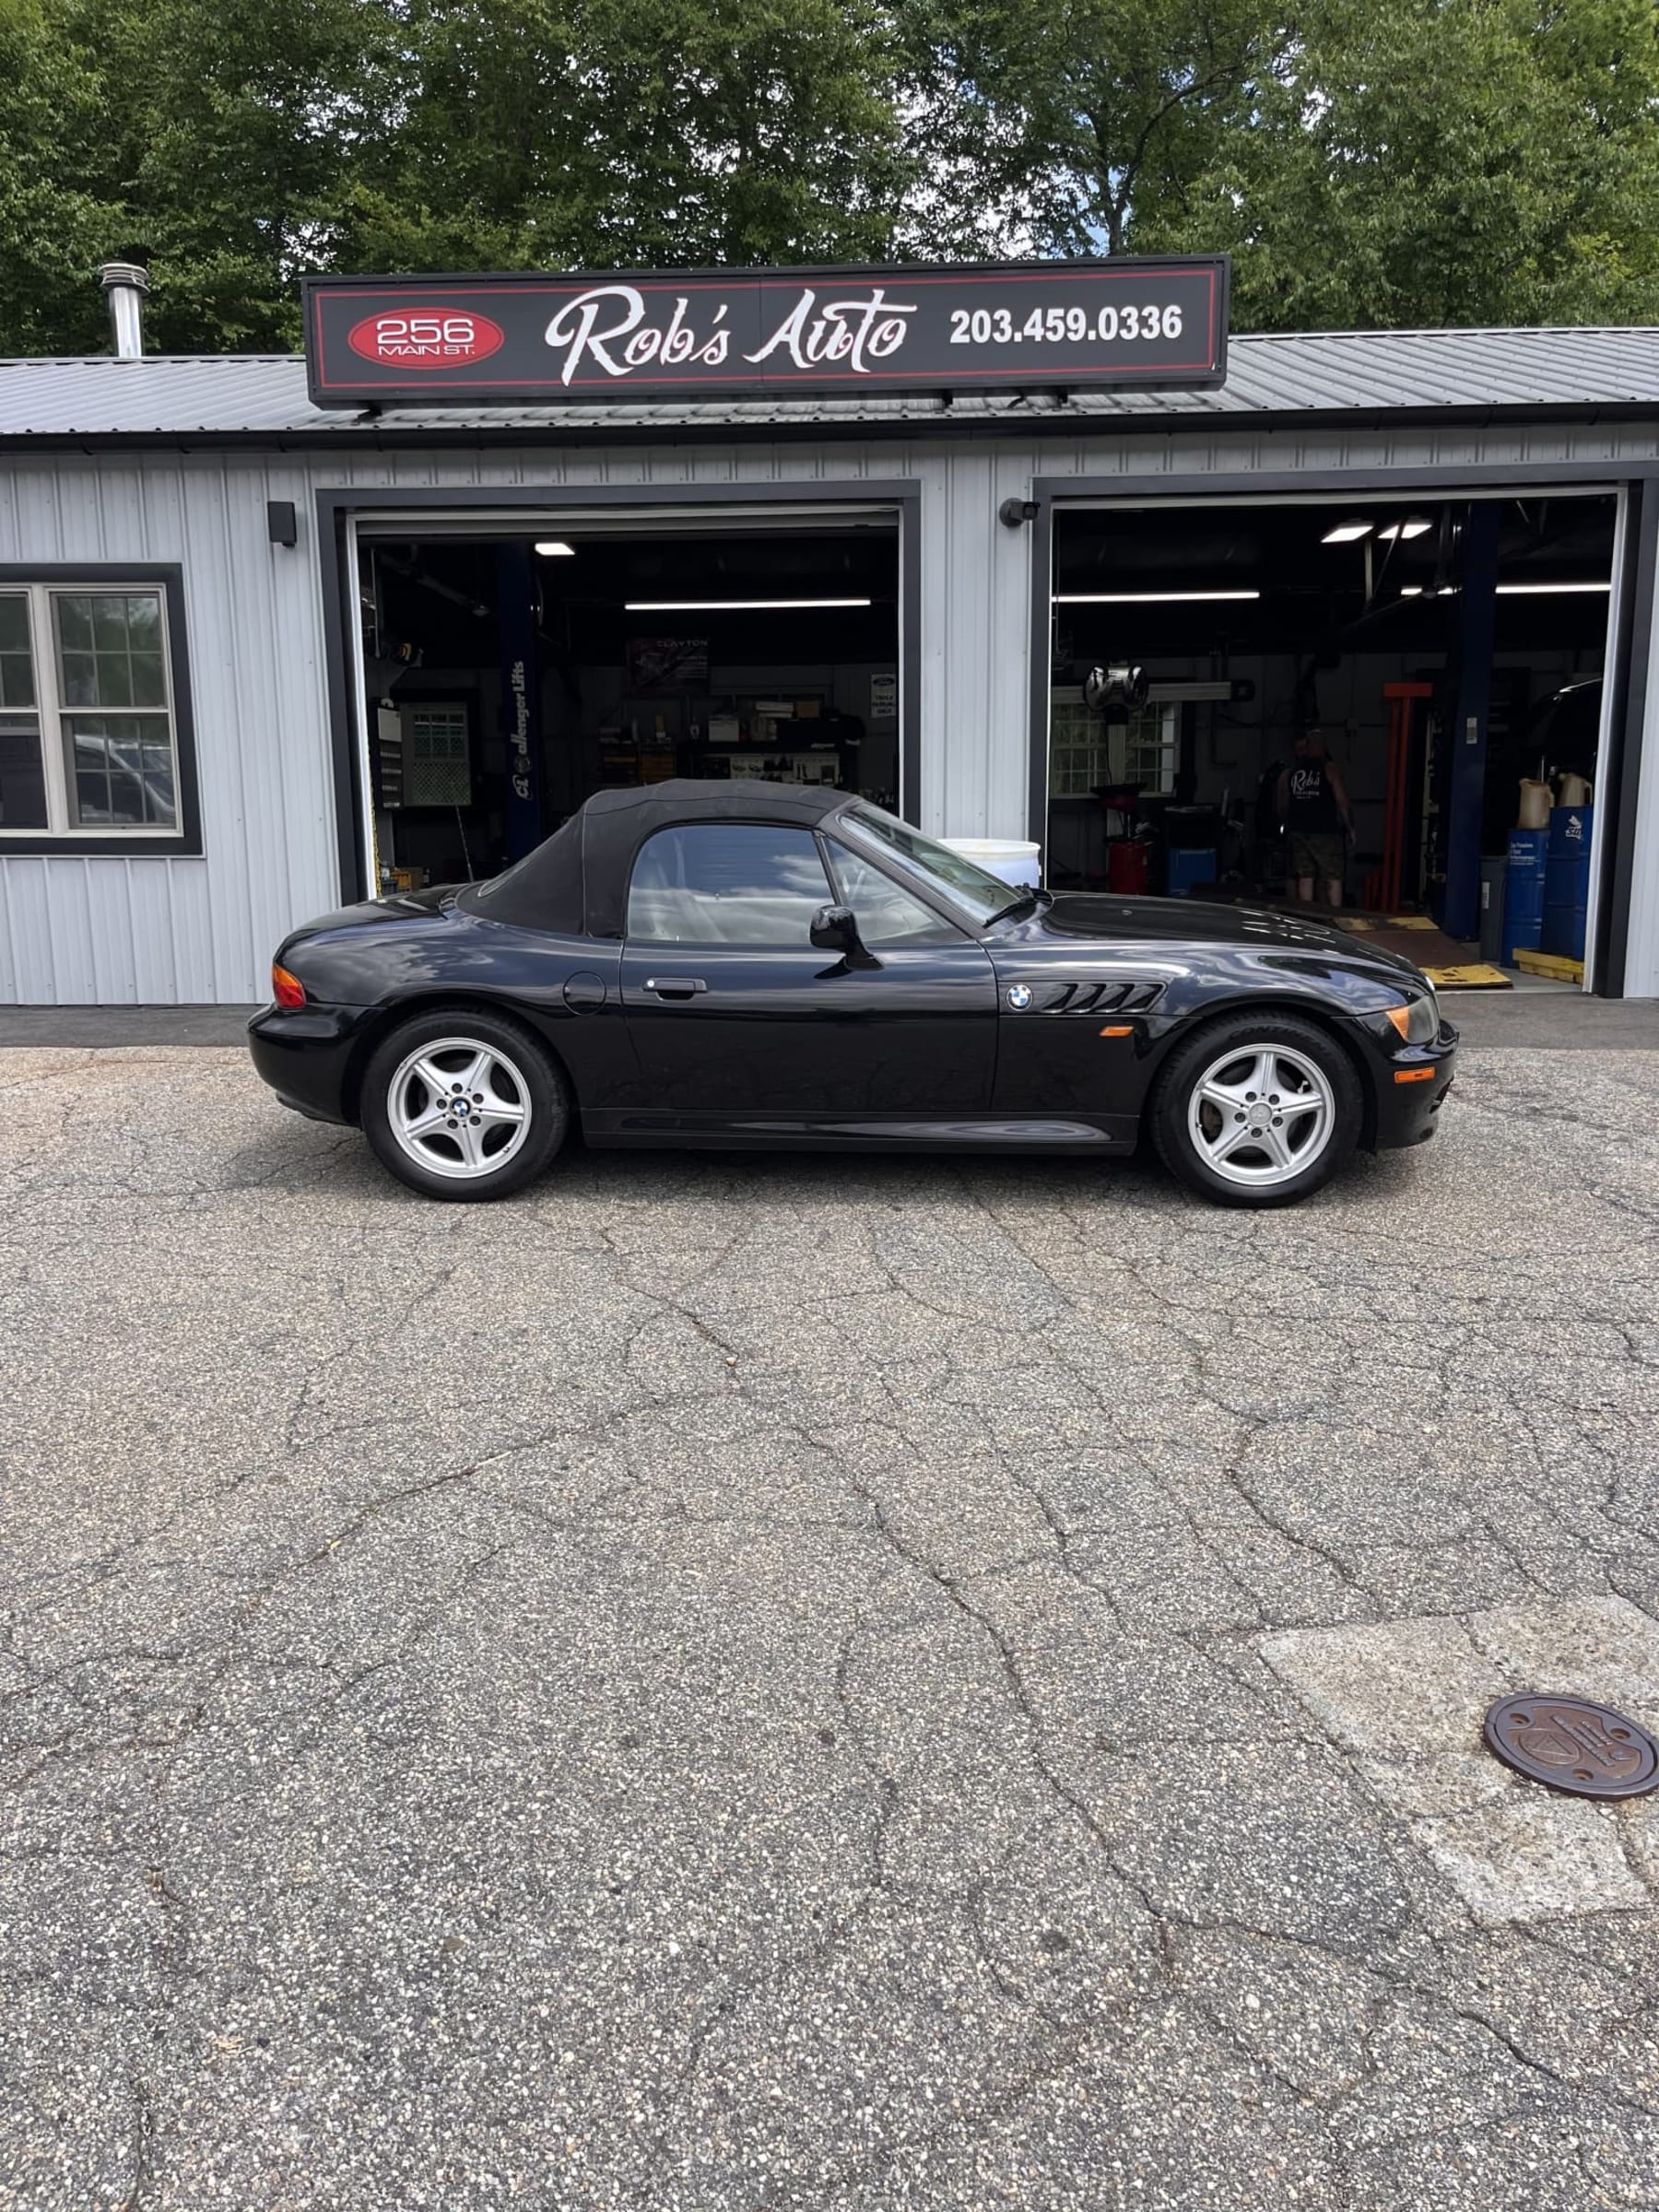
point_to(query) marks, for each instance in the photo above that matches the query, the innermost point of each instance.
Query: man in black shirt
(1313, 808)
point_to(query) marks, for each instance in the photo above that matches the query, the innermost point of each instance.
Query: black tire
(1224, 1050)
(521, 1070)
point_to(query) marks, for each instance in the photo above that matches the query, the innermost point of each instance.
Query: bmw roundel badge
(1019, 996)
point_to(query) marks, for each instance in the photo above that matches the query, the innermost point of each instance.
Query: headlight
(1418, 1020)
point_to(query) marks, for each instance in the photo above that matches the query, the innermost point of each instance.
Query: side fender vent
(1102, 998)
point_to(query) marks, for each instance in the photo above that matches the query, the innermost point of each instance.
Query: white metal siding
(99, 930)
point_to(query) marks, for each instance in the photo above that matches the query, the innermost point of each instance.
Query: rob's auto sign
(509, 340)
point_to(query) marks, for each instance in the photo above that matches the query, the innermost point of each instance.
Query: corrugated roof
(263, 397)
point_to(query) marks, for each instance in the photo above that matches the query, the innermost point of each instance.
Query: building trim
(1619, 769)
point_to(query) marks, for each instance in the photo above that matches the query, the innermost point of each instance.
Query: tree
(242, 143)
(1074, 125)
(639, 133)
(1442, 161)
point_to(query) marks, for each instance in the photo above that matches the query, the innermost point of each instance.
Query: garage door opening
(506, 677)
(1445, 652)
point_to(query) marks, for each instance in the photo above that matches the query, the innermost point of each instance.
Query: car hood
(1101, 919)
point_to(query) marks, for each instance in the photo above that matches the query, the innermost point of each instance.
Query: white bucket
(1010, 858)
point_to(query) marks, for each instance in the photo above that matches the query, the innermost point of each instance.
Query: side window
(728, 882)
(887, 914)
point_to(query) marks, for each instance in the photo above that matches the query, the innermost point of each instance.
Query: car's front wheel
(463, 1104)
(1257, 1110)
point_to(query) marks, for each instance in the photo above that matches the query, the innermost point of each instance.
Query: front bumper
(1409, 1084)
(305, 1056)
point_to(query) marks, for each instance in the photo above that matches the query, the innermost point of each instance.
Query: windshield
(983, 896)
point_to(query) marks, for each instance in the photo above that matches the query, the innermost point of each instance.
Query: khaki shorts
(1323, 857)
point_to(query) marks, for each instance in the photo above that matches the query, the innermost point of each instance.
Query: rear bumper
(1410, 1084)
(305, 1055)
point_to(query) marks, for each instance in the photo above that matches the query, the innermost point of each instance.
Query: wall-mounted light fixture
(1012, 513)
(282, 523)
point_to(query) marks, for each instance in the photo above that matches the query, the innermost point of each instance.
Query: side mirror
(835, 929)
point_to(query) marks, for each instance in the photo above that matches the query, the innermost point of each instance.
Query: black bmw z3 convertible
(755, 966)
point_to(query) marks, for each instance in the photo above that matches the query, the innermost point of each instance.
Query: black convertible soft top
(576, 881)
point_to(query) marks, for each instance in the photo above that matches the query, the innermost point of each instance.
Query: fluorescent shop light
(1415, 526)
(1344, 534)
(726, 607)
(548, 546)
(1411, 591)
(1517, 590)
(1143, 598)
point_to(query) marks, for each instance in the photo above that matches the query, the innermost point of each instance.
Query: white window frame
(54, 716)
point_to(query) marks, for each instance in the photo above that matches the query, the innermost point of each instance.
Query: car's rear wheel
(1257, 1110)
(463, 1104)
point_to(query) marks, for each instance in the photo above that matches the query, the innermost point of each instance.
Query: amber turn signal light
(1401, 1019)
(1414, 1075)
(286, 989)
(1124, 1029)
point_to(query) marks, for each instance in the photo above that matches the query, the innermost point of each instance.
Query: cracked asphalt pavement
(760, 1686)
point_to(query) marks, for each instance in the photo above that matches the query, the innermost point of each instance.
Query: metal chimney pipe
(126, 283)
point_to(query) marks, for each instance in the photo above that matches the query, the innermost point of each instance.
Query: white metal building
(146, 590)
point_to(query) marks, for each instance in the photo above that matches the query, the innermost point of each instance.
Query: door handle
(676, 986)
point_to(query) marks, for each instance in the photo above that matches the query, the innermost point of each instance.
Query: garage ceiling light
(726, 607)
(1143, 598)
(1415, 526)
(1515, 590)
(1344, 534)
(548, 546)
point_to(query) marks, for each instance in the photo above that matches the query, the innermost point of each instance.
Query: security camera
(1120, 684)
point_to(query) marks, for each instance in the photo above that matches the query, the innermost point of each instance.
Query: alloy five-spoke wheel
(459, 1107)
(1257, 1109)
(1262, 1115)
(462, 1103)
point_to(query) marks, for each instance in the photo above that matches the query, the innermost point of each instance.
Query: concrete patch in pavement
(1405, 1698)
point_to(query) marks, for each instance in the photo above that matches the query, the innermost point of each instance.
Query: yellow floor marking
(1409, 922)
(1477, 978)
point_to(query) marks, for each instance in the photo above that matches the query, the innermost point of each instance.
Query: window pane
(144, 622)
(887, 916)
(17, 659)
(80, 679)
(115, 776)
(109, 623)
(150, 680)
(74, 622)
(728, 882)
(22, 779)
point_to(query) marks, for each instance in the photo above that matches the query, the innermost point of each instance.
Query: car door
(737, 1017)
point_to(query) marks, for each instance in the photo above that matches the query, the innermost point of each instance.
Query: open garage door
(508, 669)
(1437, 655)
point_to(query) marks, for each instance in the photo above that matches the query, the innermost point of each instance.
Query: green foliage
(242, 143)
(1367, 162)
(1086, 110)
(1437, 162)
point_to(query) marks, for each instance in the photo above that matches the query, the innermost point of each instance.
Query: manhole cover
(1587, 1750)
